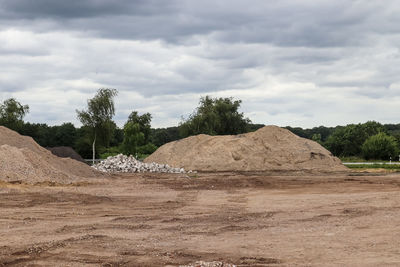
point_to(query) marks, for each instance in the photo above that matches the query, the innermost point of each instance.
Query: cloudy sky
(299, 63)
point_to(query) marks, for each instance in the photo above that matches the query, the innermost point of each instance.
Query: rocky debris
(128, 164)
(209, 264)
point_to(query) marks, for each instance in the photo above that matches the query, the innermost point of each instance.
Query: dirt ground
(247, 219)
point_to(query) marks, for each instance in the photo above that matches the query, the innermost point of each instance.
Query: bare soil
(247, 219)
(22, 159)
(268, 148)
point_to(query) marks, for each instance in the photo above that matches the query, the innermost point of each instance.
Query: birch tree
(98, 116)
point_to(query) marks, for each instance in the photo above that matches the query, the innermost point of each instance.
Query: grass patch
(358, 159)
(387, 166)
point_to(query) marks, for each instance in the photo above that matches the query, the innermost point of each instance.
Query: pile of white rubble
(209, 264)
(123, 163)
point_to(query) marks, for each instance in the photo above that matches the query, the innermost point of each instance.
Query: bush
(380, 146)
(147, 149)
(107, 152)
(348, 140)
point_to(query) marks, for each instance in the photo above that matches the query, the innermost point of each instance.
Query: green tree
(144, 122)
(98, 116)
(215, 116)
(83, 142)
(65, 135)
(380, 146)
(137, 135)
(347, 140)
(12, 113)
(162, 136)
(133, 137)
(317, 138)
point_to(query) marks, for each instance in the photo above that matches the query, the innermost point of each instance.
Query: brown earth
(22, 159)
(65, 152)
(248, 219)
(268, 148)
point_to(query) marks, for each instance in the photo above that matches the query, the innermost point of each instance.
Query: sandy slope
(269, 148)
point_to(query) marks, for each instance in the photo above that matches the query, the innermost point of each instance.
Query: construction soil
(65, 152)
(247, 219)
(268, 148)
(23, 160)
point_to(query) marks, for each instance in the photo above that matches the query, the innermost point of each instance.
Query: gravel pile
(123, 163)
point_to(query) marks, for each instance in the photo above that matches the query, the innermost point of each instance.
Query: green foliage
(111, 151)
(147, 149)
(65, 135)
(251, 127)
(137, 131)
(380, 146)
(215, 116)
(162, 136)
(83, 143)
(99, 113)
(317, 138)
(12, 113)
(98, 116)
(347, 140)
(387, 166)
(323, 131)
(133, 138)
(144, 123)
(117, 137)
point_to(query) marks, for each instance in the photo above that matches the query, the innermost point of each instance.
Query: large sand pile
(269, 148)
(22, 159)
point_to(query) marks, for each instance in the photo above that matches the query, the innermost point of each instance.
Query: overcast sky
(298, 63)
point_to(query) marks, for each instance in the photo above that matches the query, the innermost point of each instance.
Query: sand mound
(269, 148)
(12, 138)
(65, 152)
(22, 159)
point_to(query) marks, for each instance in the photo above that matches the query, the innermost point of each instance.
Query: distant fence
(90, 161)
(371, 163)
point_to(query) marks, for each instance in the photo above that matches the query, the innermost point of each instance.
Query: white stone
(122, 163)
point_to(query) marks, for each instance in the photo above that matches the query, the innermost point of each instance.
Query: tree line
(370, 140)
(99, 136)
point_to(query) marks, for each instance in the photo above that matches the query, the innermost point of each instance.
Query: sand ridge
(269, 148)
(22, 159)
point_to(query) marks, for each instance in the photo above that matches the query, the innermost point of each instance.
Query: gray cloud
(283, 23)
(38, 9)
(291, 62)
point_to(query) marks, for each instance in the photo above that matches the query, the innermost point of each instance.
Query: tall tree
(12, 113)
(215, 116)
(137, 133)
(133, 137)
(161, 136)
(98, 116)
(65, 135)
(144, 122)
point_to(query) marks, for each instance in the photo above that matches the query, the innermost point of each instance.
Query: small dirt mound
(22, 159)
(269, 148)
(65, 152)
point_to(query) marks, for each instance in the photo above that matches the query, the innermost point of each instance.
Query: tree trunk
(94, 148)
